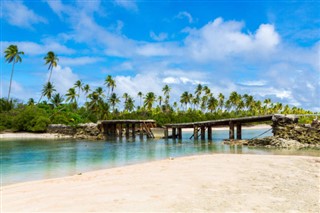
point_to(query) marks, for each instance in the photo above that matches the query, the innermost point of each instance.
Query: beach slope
(205, 183)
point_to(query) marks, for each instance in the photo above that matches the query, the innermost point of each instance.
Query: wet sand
(204, 183)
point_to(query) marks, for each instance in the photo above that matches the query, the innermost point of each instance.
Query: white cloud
(219, 40)
(17, 14)
(79, 61)
(63, 78)
(127, 4)
(151, 50)
(32, 48)
(185, 14)
(256, 83)
(159, 37)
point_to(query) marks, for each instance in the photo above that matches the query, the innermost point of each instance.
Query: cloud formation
(17, 14)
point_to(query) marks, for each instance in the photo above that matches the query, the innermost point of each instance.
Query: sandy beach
(27, 135)
(205, 183)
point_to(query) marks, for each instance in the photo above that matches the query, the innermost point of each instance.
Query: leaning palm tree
(12, 54)
(149, 99)
(51, 59)
(86, 89)
(78, 85)
(110, 83)
(72, 95)
(48, 90)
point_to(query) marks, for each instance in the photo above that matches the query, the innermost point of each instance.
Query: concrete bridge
(207, 125)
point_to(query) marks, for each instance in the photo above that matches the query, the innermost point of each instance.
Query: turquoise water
(26, 160)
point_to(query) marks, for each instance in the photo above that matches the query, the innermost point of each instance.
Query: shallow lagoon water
(35, 159)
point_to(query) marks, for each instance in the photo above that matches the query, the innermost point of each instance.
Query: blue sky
(269, 49)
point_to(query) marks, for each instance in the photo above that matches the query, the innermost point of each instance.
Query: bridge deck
(207, 125)
(221, 122)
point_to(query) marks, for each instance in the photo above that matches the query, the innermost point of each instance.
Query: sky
(268, 49)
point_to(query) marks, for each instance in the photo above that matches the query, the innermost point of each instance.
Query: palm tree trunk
(50, 74)
(11, 79)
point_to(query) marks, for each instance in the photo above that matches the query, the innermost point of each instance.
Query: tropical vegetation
(82, 103)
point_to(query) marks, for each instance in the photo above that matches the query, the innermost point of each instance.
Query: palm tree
(160, 100)
(72, 95)
(48, 90)
(12, 54)
(212, 104)
(110, 83)
(129, 104)
(78, 85)
(52, 60)
(86, 90)
(149, 99)
(140, 95)
(185, 99)
(198, 90)
(30, 102)
(221, 100)
(114, 100)
(207, 90)
(57, 99)
(195, 101)
(166, 90)
(125, 96)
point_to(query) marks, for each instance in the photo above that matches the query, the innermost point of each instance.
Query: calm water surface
(25, 160)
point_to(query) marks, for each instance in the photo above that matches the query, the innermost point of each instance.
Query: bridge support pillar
(203, 132)
(140, 130)
(166, 133)
(239, 134)
(195, 132)
(231, 130)
(209, 132)
(120, 130)
(179, 133)
(127, 130)
(133, 130)
(174, 134)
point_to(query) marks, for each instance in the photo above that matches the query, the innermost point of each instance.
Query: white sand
(206, 183)
(32, 135)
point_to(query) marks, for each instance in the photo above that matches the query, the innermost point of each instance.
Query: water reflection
(23, 160)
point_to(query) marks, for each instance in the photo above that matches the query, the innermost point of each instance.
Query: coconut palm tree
(114, 100)
(129, 104)
(79, 85)
(125, 96)
(185, 99)
(149, 99)
(57, 99)
(140, 96)
(51, 59)
(198, 90)
(72, 95)
(12, 54)
(48, 90)
(30, 102)
(86, 89)
(221, 100)
(110, 83)
(160, 100)
(212, 104)
(166, 90)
